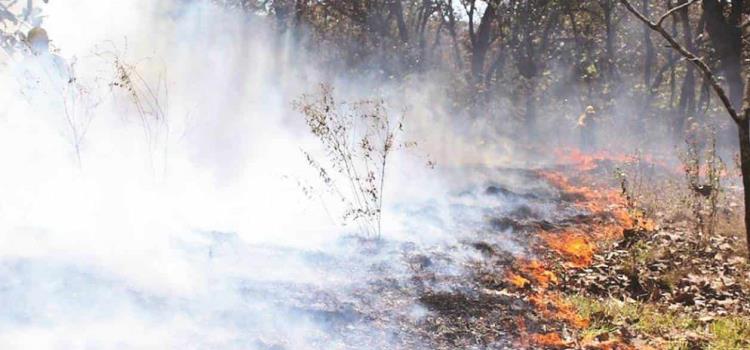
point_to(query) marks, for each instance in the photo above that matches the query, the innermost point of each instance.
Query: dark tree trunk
(672, 70)
(449, 19)
(650, 55)
(530, 106)
(725, 34)
(686, 104)
(744, 138)
(742, 12)
(528, 69)
(496, 69)
(481, 43)
(282, 10)
(608, 7)
(576, 75)
(735, 85)
(397, 11)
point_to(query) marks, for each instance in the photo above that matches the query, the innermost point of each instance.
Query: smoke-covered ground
(175, 218)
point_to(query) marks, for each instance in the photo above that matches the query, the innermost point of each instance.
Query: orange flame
(539, 273)
(590, 161)
(517, 280)
(574, 246)
(584, 197)
(548, 339)
(613, 213)
(553, 306)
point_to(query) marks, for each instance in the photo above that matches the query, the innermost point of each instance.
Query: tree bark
(608, 9)
(743, 122)
(744, 138)
(686, 104)
(725, 34)
(481, 42)
(650, 54)
(398, 12)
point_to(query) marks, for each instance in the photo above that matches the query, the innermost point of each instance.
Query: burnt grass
(488, 312)
(669, 269)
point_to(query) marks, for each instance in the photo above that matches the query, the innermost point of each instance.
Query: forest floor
(595, 252)
(615, 267)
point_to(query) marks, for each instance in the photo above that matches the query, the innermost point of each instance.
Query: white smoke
(175, 234)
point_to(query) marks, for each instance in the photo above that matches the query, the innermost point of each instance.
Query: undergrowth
(673, 330)
(358, 139)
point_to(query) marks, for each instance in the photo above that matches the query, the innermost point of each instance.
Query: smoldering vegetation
(174, 176)
(153, 200)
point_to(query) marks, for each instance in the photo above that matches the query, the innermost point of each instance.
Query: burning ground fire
(607, 217)
(575, 246)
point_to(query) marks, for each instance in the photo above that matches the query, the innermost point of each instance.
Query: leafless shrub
(150, 99)
(358, 139)
(79, 103)
(48, 73)
(631, 178)
(637, 183)
(703, 169)
(702, 196)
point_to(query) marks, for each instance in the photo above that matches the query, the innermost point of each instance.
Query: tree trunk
(483, 39)
(450, 21)
(686, 104)
(672, 70)
(650, 59)
(743, 124)
(609, 47)
(744, 133)
(398, 12)
(530, 117)
(496, 69)
(725, 35)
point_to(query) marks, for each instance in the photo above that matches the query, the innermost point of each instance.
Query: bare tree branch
(697, 61)
(673, 10)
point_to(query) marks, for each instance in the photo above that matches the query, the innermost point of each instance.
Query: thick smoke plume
(152, 200)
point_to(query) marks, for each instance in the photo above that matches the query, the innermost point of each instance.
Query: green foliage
(730, 333)
(678, 331)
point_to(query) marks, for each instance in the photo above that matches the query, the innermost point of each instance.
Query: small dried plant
(149, 97)
(50, 77)
(358, 139)
(79, 103)
(637, 191)
(146, 98)
(703, 170)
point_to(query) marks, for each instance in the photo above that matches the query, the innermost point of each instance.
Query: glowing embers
(595, 201)
(517, 280)
(589, 161)
(538, 272)
(548, 339)
(604, 214)
(545, 340)
(547, 304)
(552, 305)
(574, 246)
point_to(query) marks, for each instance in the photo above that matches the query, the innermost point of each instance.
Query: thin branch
(702, 66)
(673, 10)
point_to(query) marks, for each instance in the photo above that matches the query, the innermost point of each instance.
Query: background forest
(522, 63)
